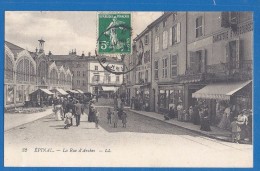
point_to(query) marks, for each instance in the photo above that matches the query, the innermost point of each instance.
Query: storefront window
(10, 94)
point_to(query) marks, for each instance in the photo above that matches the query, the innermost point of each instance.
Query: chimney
(41, 45)
(50, 53)
(89, 54)
(75, 52)
(36, 50)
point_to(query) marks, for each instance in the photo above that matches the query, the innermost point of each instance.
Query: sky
(62, 31)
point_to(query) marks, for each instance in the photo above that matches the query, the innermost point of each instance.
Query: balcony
(105, 82)
(236, 71)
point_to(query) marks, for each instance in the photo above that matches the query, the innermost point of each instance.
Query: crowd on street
(70, 110)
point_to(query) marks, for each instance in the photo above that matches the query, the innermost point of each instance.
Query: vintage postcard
(128, 89)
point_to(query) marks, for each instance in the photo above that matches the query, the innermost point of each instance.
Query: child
(235, 129)
(68, 117)
(124, 116)
(186, 116)
(115, 118)
(96, 118)
(109, 113)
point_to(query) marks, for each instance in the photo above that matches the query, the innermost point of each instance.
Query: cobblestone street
(144, 142)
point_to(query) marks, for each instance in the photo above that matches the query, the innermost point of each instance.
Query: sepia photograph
(128, 89)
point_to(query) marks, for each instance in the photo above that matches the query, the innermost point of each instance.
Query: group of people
(139, 103)
(70, 110)
(118, 112)
(239, 124)
(114, 116)
(198, 115)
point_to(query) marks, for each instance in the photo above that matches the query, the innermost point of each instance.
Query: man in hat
(78, 112)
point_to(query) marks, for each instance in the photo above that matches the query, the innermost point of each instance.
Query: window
(78, 82)
(147, 56)
(165, 39)
(108, 78)
(146, 39)
(165, 68)
(96, 77)
(199, 26)
(84, 73)
(175, 34)
(156, 68)
(156, 28)
(174, 65)
(195, 61)
(84, 83)
(164, 23)
(78, 73)
(96, 68)
(146, 76)
(156, 44)
(117, 78)
(233, 17)
(233, 56)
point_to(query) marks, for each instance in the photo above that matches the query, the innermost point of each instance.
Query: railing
(240, 70)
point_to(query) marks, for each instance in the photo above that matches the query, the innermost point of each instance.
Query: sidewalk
(14, 120)
(216, 132)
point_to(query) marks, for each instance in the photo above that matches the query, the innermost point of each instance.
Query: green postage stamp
(114, 33)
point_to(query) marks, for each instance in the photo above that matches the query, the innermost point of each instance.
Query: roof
(77, 58)
(14, 48)
(61, 91)
(165, 15)
(221, 91)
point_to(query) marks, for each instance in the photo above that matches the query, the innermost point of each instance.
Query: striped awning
(220, 91)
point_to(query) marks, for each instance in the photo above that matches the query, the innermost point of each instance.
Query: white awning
(73, 91)
(80, 91)
(114, 89)
(61, 91)
(46, 91)
(221, 91)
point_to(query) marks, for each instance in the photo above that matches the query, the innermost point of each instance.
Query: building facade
(193, 51)
(27, 71)
(89, 75)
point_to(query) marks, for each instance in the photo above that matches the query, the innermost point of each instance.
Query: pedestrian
(109, 113)
(78, 112)
(115, 118)
(242, 122)
(124, 121)
(180, 111)
(58, 110)
(91, 115)
(96, 118)
(196, 115)
(68, 117)
(205, 122)
(64, 106)
(185, 116)
(191, 114)
(235, 129)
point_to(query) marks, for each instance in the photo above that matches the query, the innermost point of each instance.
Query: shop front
(40, 97)
(170, 95)
(225, 101)
(142, 97)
